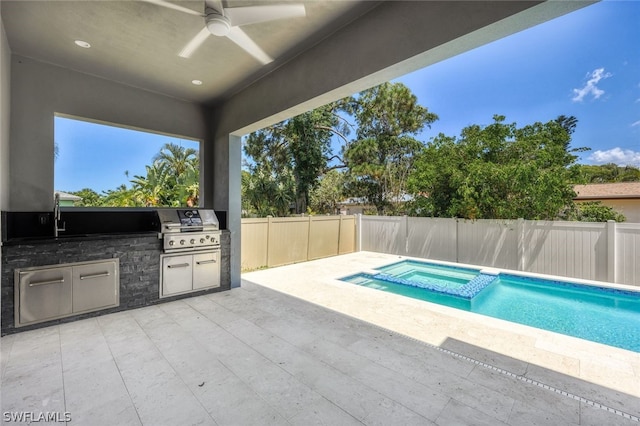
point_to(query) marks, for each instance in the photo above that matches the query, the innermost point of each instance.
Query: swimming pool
(600, 314)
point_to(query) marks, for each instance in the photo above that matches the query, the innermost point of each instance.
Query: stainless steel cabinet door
(44, 294)
(95, 286)
(206, 270)
(176, 274)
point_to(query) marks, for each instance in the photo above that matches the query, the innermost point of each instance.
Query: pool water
(419, 272)
(598, 314)
(449, 280)
(603, 315)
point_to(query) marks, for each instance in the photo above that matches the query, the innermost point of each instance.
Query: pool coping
(555, 278)
(466, 291)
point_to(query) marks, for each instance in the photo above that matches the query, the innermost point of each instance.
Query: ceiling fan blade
(239, 37)
(174, 6)
(195, 42)
(254, 14)
(214, 4)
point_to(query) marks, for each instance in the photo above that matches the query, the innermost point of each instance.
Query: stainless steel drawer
(44, 294)
(176, 274)
(189, 272)
(206, 270)
(95, 286)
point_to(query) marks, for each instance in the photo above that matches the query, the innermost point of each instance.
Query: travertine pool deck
(295, 346)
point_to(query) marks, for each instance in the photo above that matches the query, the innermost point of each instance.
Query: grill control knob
(193, 241)
(181, 242)
(202, 240)
(171, 242)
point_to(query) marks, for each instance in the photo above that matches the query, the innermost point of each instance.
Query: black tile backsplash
(77, 222)
(26, 224)
(109, 222)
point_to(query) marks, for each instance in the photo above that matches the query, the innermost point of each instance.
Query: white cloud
(590, 87)
(616, 155)
(637, 123)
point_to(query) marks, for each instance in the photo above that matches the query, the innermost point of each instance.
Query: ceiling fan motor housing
(217, 24)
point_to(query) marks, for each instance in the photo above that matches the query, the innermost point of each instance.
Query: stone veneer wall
(139, 269)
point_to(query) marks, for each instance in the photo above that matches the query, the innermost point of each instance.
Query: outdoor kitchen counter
(64, 238)
(139, 258)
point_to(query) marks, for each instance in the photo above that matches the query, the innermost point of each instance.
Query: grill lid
(187, 220)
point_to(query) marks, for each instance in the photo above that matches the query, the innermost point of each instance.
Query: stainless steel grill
(191, 245)
(185, 230)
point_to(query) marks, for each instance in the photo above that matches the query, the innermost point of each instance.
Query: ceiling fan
(226, 22)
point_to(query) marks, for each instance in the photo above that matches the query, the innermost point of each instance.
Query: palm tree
(151, 190)
(175, 174)
(120, 197)
(177, 158)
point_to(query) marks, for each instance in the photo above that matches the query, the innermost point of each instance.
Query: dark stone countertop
(76, 238)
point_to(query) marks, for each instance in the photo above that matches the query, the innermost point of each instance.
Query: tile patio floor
(257, 356)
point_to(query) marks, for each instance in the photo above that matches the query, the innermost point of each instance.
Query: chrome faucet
(57, 215)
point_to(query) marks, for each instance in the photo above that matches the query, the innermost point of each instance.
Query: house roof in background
(597, 191)
(65, 196)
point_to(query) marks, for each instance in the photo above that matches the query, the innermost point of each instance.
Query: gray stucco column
(222, 176)
(235, 206)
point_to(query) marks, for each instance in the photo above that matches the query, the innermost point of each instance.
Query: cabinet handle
(204, 262)
(86, 277)
(179, 265)
(37, 283)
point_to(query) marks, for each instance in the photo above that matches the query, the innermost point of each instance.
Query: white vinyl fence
(595, 251)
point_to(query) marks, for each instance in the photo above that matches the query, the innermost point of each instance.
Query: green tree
(120, 197)
(498, 172)
(291, 155)
(268, 185)
(151, 189)
(246, 205)
(594, 211)
(90, 198)
(630, 174)
(381, 157)
(178, 171)
(266, 193)
(177, 159)
(330, 191)
(309, 136)
(608, 173)
(172, 180)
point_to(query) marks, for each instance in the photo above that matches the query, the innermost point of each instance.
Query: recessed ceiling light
(82, 43)
(197, 82)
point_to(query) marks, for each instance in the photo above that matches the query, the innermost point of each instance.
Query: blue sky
(585, 64)
(96, 156)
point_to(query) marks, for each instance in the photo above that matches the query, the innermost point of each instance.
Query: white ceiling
(137, 43)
